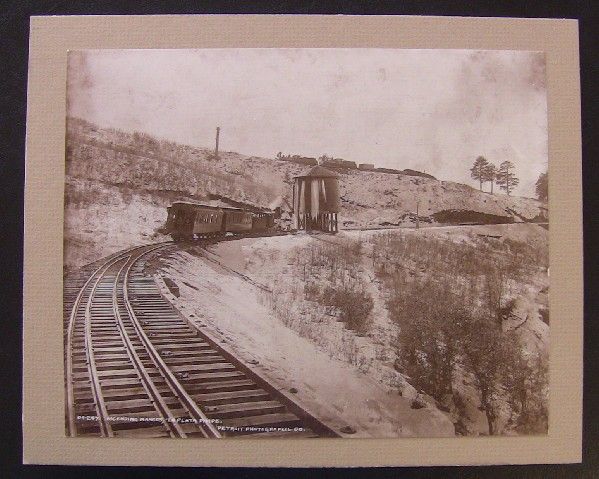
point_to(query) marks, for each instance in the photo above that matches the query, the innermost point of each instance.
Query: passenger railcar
(237, 220)
(187, 220)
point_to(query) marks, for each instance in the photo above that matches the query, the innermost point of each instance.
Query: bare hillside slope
(369, 198)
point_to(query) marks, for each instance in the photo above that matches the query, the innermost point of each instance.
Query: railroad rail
(134, 367)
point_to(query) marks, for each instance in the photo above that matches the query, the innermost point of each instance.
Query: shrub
(354, 305)
(427, 341)
(449, 301)
(342, 289)
(527, 387)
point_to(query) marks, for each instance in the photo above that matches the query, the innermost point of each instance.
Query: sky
(430, 110)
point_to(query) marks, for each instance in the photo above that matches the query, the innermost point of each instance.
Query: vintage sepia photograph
(306, 243)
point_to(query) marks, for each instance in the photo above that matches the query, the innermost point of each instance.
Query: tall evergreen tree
(506, 179)
(542, 187)
(478, 170)
(490, 174)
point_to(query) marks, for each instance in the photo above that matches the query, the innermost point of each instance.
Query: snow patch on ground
(108, 220)
(333, 390)
(269, 261)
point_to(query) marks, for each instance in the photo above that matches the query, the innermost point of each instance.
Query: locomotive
(187, 220)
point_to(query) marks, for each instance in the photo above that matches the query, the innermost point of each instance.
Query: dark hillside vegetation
(454, 305)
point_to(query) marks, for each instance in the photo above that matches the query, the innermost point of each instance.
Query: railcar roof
(206, 205)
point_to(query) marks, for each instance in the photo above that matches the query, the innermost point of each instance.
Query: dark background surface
(14, 32)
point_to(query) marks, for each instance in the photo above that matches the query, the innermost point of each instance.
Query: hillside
(308, 309)
(368, 198)
(108, 171)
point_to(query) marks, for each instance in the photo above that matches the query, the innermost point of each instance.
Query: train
(190, 220)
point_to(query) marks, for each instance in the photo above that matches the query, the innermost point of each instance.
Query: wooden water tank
(316, 200)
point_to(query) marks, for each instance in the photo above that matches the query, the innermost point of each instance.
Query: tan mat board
(43, 405)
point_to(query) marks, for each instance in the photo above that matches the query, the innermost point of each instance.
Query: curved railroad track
(134, 367)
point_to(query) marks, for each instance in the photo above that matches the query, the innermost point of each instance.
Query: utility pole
(217, 135)
(418, 204)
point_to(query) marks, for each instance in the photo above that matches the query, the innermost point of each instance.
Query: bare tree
(527, 388)
(486, 352)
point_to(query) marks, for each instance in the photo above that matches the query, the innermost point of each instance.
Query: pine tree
(478, 170)
(490, 174)
(506, 179)
(542, 187)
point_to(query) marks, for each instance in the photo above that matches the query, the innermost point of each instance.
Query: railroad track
(134, 367)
